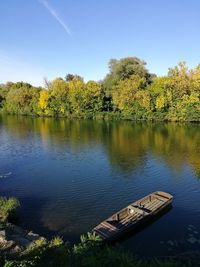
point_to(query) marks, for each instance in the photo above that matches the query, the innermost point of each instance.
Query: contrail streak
(56, 16)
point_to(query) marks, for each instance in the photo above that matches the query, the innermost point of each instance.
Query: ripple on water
(70, 175)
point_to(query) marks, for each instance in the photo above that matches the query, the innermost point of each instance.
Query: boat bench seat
(138, 210)
(109, 225)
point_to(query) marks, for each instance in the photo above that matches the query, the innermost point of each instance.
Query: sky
(49, 38)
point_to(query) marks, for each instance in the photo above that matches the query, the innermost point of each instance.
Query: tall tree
(69, 77)
(125, 94)
(124, 68)
(58, 97)
(22, 100)
(180, 82)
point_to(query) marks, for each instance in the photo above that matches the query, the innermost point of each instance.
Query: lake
(69, 175)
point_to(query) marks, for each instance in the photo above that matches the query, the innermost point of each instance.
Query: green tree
(123, 69)
(3, 93)
(22, 100)
(93, 97)
(77, 96)
(180, 81)
(69, 77)
(195, 79)
(159, 86)
(58, 100)
(124, 95)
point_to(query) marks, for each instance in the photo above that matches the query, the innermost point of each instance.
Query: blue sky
(49, 38)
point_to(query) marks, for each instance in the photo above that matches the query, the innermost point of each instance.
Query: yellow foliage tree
(144, 99)
(180, 80)
(43, 99)
(195, 79)
(124, 94)
(160, 102)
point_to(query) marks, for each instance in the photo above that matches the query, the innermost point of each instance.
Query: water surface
(70, 175)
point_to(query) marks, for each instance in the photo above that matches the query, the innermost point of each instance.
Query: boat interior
(137, 210)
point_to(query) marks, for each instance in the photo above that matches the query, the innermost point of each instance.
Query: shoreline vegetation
(89, 252)
(127, 92)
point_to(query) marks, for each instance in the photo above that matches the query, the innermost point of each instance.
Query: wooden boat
(133, 215)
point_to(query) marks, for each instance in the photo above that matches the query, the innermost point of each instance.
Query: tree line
(129, 91)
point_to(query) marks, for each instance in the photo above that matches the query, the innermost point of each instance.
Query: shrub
(8, 208)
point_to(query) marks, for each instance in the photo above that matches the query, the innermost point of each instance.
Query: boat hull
(109, 232)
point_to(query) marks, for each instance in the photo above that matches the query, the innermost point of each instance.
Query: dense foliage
(128, 91)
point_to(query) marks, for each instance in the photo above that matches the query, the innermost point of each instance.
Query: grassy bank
(89, 252)
(8, 207)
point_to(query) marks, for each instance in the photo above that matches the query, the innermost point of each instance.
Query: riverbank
(111, 116)
(19, 247)
(15, 240)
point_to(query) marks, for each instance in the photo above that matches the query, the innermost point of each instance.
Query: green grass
(8, 207)
(88, 253)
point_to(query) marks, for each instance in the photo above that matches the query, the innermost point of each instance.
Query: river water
(69, 175)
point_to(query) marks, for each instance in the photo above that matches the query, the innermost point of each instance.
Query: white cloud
(56, 16)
